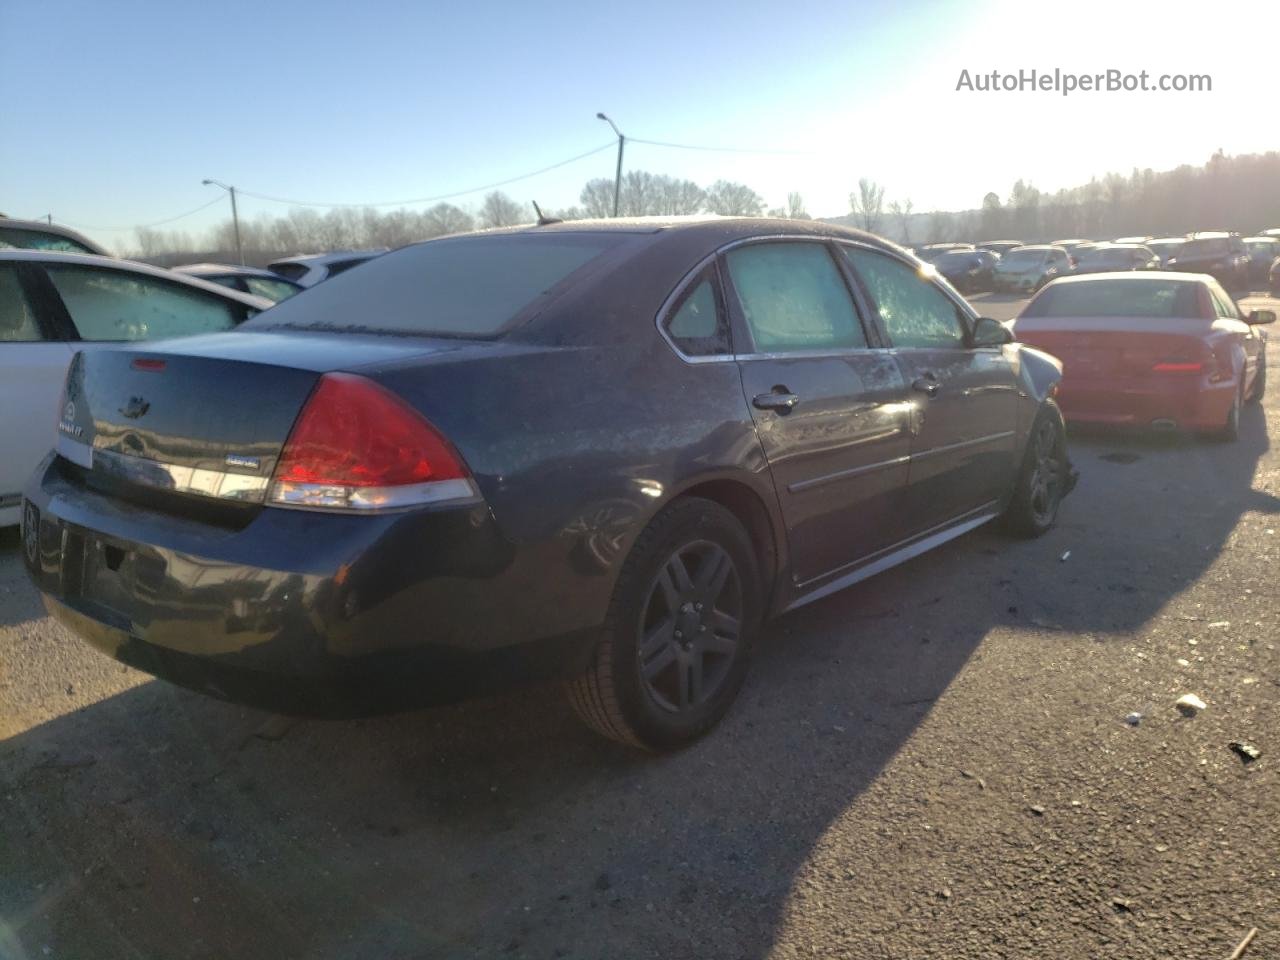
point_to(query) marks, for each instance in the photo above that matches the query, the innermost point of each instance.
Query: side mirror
(993, 333)
(1259, 317)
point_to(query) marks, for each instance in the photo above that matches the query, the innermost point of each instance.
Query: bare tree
(731, 199)
(902, 213)
(597, 198)
(675, 197)
(867, 204)
(795, 207)
(445, 218)
(499, 210)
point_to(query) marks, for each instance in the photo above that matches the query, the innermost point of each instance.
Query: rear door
(829, 403)
(33, 362)
(964, 398)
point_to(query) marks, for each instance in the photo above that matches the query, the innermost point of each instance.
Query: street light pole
(617, 177)
(235, 215)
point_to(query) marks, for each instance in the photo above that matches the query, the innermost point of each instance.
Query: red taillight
(357, 445)
(147, 363)
(1177, 366)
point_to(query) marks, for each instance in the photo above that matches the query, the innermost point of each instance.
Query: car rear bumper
(1177, 403)
(303, 612)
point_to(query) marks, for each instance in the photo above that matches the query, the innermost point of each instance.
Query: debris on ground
(1219, 624)
(1246, 751)
(1183, 662)
(1037, 809)
(1243, 945)
(1121, 905)
(1133, 719)
(1189, 704)
(1065, 557)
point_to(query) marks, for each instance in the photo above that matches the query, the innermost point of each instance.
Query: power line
(142, 226)
(690, 146)
(441, 196)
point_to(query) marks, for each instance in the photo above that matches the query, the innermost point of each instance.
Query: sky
(113, 113)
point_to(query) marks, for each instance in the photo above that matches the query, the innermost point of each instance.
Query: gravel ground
(934, 763)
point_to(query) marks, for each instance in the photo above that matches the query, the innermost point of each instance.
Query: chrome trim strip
(321, 496)
(78, 453)
(800, 486)
(897, 553)
(948, 448)
(218, 484)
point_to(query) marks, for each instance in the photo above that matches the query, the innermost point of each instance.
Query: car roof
(1099, 248)
(57, 230)
(131, 266)
(320, 259)
(1211, 235)
(1038, 246)
(1141, 276)
(1167, 240)
(1262, 239)
(227, 270)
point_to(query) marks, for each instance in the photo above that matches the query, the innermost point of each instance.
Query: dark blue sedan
(604, 452)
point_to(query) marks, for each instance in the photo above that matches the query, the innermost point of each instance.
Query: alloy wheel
(690, 626)
(1046, 474)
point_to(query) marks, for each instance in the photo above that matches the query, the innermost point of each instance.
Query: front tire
(677, 640)
(1043, 478)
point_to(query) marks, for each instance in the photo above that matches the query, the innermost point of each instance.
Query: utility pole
(235, 215)
(617, 177)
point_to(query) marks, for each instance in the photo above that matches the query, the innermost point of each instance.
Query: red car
(1165, 350)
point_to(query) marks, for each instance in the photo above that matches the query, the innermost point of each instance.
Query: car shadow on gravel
(161, 823)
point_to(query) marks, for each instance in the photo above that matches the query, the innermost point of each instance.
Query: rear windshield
(459, 287)
(955, 260)
(1024, 258)
(39, 240)
(1117, 298)
(1112, 255)
(1204, 248)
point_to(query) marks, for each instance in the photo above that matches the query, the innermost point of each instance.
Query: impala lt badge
(67, 424)
(239, 460)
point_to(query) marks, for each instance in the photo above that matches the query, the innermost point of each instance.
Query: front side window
(118, 305)
(914, 311)
(1222, 304)
(794, 298)
(697, 324)
(17, 319)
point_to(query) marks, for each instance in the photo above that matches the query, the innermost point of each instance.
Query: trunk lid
(1101, 347)
(204, 416)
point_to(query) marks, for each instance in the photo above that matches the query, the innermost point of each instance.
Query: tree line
(1233, 193)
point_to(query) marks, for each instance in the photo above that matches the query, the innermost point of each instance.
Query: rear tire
(1260, 381)
(677, 640)
(1043, 478)
(1231, 429)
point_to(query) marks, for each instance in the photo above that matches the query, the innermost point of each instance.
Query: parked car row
(1011, 266)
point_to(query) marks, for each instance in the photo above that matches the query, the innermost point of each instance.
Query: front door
(963, 447)
(831, 411)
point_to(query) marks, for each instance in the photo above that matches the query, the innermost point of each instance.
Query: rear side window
(17, 320)
(1117, 298)
(794, 298)
(457, 287)
(342, 266)
(697, 325)
(915, 313)
(274, 290)
(39, 240)
(117, 305)
(290, 271)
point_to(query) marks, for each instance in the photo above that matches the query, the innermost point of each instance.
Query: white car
(38, 235)
(310, 269)
(54, 304)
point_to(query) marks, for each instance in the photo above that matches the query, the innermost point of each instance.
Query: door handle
(782, 402)
(928, 385)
